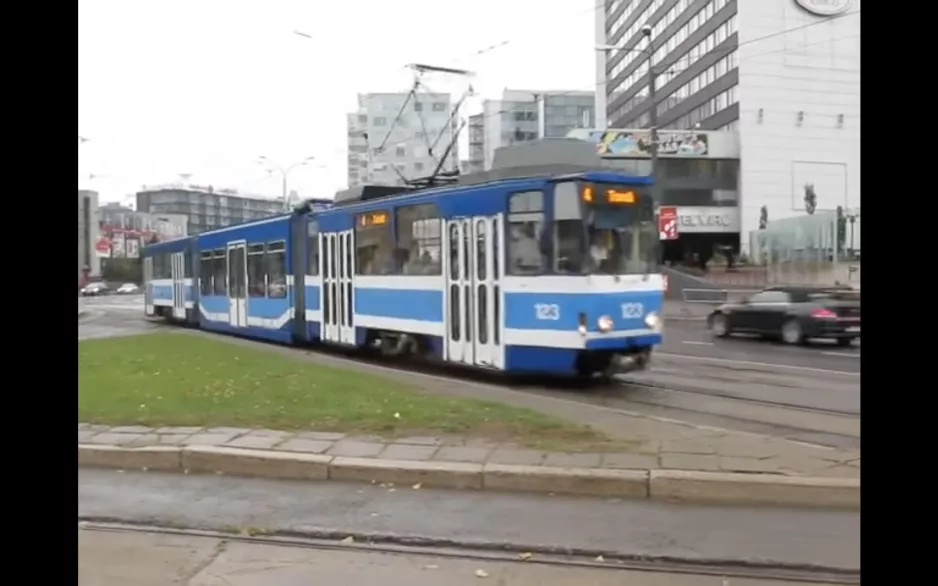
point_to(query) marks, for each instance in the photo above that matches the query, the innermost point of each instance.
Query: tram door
(178, 273)
(148, 285)
(473, 295)
(237, 284)
(338, 267)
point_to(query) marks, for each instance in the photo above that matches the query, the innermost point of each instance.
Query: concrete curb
(667, 485)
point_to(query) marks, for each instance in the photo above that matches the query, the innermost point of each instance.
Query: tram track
(810, 424)
(337, 541)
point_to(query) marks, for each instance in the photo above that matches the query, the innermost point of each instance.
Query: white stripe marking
(693, 343)
(751, 363)
(841, 354)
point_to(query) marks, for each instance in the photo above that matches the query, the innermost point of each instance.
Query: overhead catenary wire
(717, 53)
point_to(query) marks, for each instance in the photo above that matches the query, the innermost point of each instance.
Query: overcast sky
(206, 86)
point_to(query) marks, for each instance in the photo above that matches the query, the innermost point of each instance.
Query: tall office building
(784, 75)
(392, 137)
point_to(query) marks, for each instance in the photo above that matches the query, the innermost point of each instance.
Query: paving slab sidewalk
(684, 462)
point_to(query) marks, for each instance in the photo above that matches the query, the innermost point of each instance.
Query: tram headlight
(605, 324)
(653, 321)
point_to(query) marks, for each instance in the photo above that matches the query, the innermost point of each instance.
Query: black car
(793, 314)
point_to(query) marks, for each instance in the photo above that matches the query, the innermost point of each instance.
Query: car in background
(128, 289)
(793, 314)
(94, 289)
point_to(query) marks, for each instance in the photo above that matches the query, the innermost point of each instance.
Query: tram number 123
(547, 311)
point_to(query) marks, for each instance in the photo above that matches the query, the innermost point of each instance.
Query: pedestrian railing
(716, 296)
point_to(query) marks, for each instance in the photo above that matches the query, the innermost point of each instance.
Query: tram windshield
(615, 233)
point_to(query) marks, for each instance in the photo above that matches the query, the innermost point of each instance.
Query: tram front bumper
(625, 363)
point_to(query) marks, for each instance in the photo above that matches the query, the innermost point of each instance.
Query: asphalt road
(629, 528)
(122, 558)
(691, 338)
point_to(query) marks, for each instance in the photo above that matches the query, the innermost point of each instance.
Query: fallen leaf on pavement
(525, 555)
(482, 574)
(430, 567)
(417, 486)
(599, 558)
(349, 539)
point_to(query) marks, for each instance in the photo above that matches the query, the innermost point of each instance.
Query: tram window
(374, 244)
(454, 252)
(312, 248)
(569, 240)
(481, 299)
(206, 272)
(256, 270)
(454, 313)
(418, 240)
(221, 272)
(480, 244)
(276, 270)
(525, 226)
(187, 264)
(496, 312)
(495, 250)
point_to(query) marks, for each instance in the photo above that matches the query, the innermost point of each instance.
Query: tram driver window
(525, 224)
(418, 240)
(256, 284)
(374, 244)
(276, 270)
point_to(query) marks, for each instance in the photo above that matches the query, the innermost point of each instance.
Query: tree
(841, 227)
(810, 198)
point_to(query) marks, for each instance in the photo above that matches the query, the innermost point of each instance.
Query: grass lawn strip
(176, 379)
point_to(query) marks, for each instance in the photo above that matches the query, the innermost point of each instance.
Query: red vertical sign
(667, 223)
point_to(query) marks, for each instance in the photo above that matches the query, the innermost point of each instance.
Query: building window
(418, 107)
(439, 106)
(400, 151)
(380, 121)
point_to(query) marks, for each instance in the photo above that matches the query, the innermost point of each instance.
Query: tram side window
(418, 240)
(220, 261)
(206, 272)
(312, 247)
(525, 224)
(257, 285)
(276, 270)
(568, 229)
(374, 244)
(161, 267)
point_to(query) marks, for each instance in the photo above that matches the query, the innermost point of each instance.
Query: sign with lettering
(707, 220)
(824, 7)
(667, 223)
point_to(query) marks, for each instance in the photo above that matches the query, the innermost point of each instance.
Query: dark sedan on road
(793, 314)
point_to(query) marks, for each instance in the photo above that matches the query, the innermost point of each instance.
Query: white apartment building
(783, 74)
(386, 142)
(526, 115)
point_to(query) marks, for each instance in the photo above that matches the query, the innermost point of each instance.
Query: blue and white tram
(169, 280)
(541, 274)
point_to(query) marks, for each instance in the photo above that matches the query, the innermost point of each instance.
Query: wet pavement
(628, 528)
(154, 559)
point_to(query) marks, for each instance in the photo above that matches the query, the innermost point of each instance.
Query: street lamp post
(284, 172)
(649, 51)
